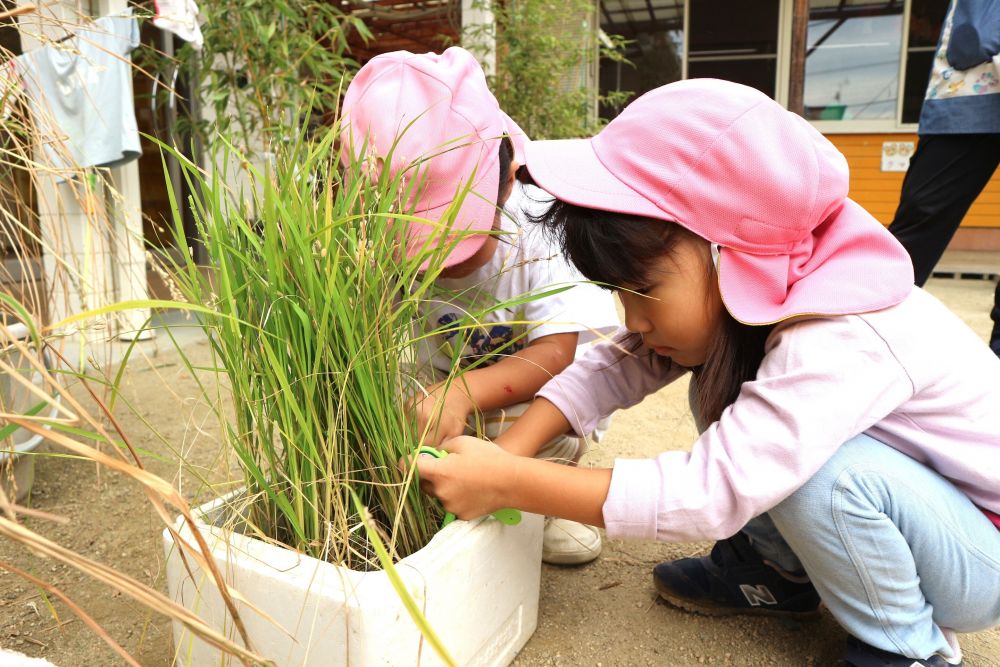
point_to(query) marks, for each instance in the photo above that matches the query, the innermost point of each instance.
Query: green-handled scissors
(508, 516)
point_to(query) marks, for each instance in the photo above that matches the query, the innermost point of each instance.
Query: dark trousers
(947, 172)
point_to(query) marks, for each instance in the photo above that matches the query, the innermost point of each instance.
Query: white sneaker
(567, 542)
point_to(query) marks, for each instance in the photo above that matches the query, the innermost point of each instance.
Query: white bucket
(17, 463)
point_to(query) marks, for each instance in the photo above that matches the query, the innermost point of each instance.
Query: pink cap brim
(517, 137)
(569, 170)
(478, 210)
(852, 253)
(846, 273)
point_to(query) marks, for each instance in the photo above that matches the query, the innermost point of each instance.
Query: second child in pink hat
(850, 437)
(436, 111)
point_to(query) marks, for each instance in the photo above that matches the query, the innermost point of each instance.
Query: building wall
(878, 191)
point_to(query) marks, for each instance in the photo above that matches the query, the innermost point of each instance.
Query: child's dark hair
(617, 250)
(506, 157)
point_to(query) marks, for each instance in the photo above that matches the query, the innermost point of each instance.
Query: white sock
(952, 637)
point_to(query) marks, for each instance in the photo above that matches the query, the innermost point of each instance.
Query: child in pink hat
(850, 430)
(432, 117)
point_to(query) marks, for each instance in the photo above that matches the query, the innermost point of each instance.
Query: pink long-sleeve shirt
(913, 376)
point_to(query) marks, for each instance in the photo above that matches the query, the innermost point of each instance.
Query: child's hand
(442, 414)
(472, 480)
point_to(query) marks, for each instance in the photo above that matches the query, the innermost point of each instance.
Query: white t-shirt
(81, 95)
(526, 261)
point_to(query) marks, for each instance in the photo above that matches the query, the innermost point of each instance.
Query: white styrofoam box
(9, 658)
(477, 583)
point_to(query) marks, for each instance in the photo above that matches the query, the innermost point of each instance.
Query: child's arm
(512, 379)
(516, 378)
(477, 478)
(539, 424)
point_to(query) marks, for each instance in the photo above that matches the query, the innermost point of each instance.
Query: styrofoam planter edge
(477, 583)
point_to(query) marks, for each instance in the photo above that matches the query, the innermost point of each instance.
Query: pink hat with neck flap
(734, 167)
(435, 109)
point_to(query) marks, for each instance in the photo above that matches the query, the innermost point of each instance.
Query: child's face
(478, 259)
(678, 313)
(485, 252)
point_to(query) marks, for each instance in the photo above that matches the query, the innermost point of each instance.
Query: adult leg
(946, 174)
(995, 315)
(896, 551)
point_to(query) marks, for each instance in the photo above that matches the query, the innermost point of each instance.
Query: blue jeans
(896, 551)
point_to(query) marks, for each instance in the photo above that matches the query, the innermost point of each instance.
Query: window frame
(781, 51)
(883, 126)
(783, 68)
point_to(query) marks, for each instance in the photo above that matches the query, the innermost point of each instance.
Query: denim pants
(898, 554)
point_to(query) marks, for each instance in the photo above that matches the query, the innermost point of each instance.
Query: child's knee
(853, 479)
(565, 449)
(500, 420)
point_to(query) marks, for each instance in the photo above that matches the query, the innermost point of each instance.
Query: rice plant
(88, 429)
(312, 299)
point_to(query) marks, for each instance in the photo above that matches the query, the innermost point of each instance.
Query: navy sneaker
(860, 654)
(734, 579)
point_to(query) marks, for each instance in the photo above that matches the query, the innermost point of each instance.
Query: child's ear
(512, 173)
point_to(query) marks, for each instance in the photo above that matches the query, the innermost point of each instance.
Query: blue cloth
(975, 35)
(897, 552)
(80, 92)
(963, 93)
(961, 115)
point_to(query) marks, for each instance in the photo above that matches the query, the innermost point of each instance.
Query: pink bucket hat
(734, 167)
(435, 107)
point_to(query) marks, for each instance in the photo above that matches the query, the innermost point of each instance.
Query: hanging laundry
(80, 95)
(181, 18)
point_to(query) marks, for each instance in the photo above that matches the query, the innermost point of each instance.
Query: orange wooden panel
(878, 191)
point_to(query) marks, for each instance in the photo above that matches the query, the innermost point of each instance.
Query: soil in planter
(364, 558)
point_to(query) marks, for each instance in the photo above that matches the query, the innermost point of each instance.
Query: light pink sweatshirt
(913, 376)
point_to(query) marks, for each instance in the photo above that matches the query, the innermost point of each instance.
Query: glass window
(735, 40)
(852, 59)
(853, 51)
(655, 33)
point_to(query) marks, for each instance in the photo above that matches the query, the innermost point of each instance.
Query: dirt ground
(605, 613)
